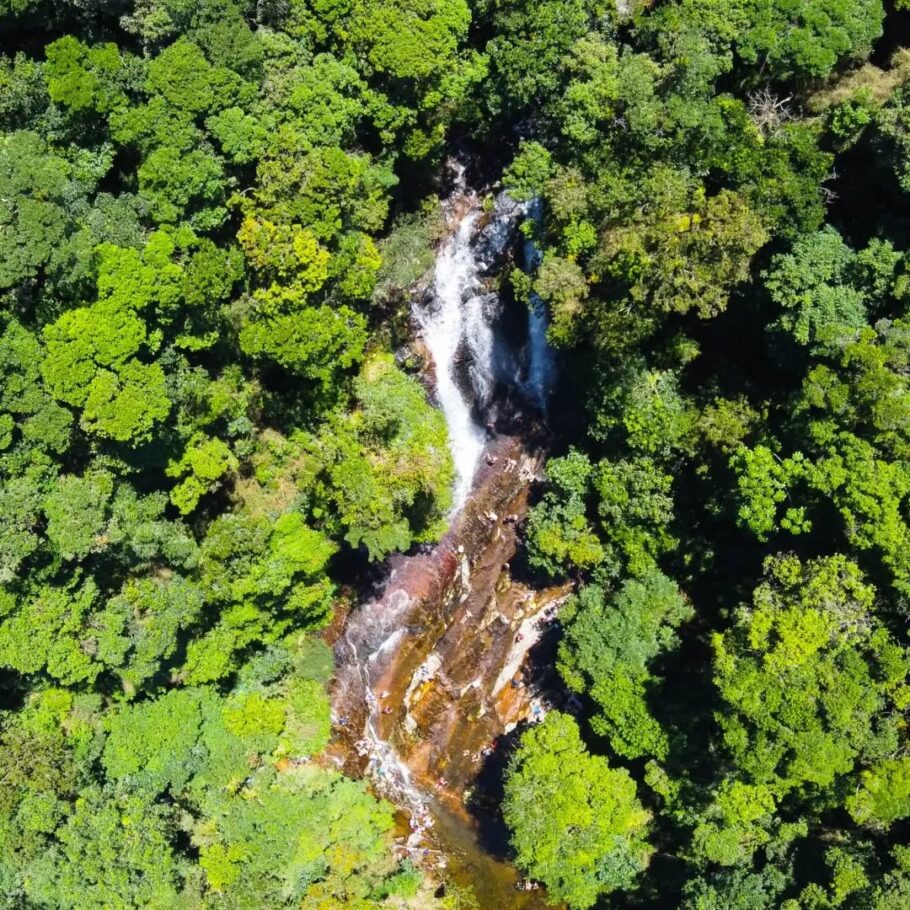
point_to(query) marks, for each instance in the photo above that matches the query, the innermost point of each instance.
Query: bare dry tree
(829, 196)
(768, 111)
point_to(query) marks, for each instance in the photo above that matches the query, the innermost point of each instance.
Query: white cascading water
(391, 774)
(459, 319)
(479, 313)
(443, 324)
(376, 632)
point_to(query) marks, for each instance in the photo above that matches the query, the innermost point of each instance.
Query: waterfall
(488, 364)
(371, 638)
(457, 323)
(443, 323)
(479, 312)
(384, 764)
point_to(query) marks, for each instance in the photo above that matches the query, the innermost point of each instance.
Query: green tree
(807, 676)
(608, 646)
(309, 833)
(650, 409)
(39, 234)
(177, 183)
(819, 285)
(200, 470)
(559, 535)
(326, 189)
(20, 513)
(782, 39)
(576, 822)
(49, 631)
(736, 824)
(383, 473)
(884, 796)
(91, 364)
(810, 39)
(695, 258)
(635, 508)
(146, 619)
(409, 39)
(850, 418)
(529, 49)
(37, 421)
(81, 77)
(76, 511)
(151, 745)
(43, 769)
(115, 853)
(736, 889)
(125, 405)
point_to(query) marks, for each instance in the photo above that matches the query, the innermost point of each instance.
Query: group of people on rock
(527, 885)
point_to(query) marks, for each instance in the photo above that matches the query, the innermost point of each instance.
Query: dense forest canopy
(724, 265)
(199, 414)
(211, 212)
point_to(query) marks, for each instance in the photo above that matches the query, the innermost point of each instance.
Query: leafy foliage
(191, 200)
(728, 293)
(577, 824)
(807, 676)
(608, 647)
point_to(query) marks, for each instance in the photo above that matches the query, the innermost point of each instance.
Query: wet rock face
(435, 634)
(467, 692)
(430, 671)
(495, 239)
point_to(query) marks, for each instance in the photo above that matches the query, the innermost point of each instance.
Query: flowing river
(429, 694)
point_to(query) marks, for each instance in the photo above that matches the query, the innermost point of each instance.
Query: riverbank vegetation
(199, 418)
(210, 213)
(724, 264)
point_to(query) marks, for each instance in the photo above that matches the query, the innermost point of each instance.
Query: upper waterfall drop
(443, 323)
(477, 364)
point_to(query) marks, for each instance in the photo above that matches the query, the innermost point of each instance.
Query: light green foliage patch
(577, 824)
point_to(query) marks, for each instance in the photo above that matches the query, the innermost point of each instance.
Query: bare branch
(768, 111)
